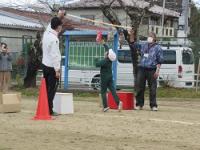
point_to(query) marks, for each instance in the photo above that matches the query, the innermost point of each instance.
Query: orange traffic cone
(42, 112)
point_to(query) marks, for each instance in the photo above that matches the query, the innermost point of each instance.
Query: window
(181, 27)
(187, 57)
(156, 30)
(154, 20)
(152, 29)
(166, 32)
(169, 57)
(92, 17)
(105, 19)
(145, 21)
(124, 56)
(170, 32)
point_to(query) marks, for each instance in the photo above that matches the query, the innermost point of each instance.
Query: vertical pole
(163, 18)
(23, 47)
(66, 78)
(197, 79)
(115, 48)
(25, 56)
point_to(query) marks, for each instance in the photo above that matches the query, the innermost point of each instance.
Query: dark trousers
(135, 72)
(51, 84)
(143, 75)
(108, 84)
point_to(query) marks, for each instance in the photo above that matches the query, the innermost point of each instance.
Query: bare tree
(35, 51)
(34, 62)
(108, 12)
(136, 13)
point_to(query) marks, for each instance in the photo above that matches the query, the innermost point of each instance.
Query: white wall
(15, 44)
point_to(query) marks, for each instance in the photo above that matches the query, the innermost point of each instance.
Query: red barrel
(127, 99)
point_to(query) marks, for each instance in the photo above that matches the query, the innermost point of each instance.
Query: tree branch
(109, 13)
(109, 4)
(46, 3)
(112, 2)
(137, 14)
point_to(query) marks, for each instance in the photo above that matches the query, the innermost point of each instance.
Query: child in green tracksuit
(107, 78)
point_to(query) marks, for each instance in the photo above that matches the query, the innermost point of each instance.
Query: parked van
(177, 70)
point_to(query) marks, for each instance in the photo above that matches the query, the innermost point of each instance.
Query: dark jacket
(106, 66)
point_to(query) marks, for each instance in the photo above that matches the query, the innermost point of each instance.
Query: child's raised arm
(106, 47)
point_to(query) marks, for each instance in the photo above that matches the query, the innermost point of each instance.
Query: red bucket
(127, 99)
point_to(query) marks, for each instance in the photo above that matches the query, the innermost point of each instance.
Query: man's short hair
(55, 22)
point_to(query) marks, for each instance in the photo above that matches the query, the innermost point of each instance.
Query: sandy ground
(176, 126)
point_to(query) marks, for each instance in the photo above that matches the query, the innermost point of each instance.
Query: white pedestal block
(63, 103)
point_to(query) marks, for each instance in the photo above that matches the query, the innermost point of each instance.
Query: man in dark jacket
(151, 57)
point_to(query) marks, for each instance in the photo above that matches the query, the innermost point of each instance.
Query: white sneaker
(106, 109)
(138, 108)
(154, 109)
(120, 106)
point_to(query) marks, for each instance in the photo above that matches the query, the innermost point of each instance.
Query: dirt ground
(176, 126)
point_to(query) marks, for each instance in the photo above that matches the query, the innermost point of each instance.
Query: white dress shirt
(48, 27)
(50, 47)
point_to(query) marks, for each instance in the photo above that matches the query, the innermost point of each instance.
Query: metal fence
(81, 59)
(82, 54)
(18, 47)
(82, 70)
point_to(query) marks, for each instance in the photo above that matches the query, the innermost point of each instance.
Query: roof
(45, 17)
(159, 10)
(15, 21)
(131, 3)
(17, 18)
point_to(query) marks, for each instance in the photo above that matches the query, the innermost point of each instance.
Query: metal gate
(81, 55)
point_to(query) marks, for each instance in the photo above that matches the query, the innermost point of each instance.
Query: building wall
(124, 19)
(15, 44)
(99, 15)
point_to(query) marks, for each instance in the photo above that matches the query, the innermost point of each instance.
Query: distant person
(107, 78)
(5, 67)
(51, 60)
(151, 58)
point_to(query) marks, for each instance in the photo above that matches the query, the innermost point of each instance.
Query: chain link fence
(18, 47)
(81, 59)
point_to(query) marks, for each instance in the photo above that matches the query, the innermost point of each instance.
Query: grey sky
(28, 2)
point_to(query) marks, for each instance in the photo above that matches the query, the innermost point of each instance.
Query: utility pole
(197, 79)
(183, 22)
(163, 18)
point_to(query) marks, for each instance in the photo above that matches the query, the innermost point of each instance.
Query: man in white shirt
(51, 59)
